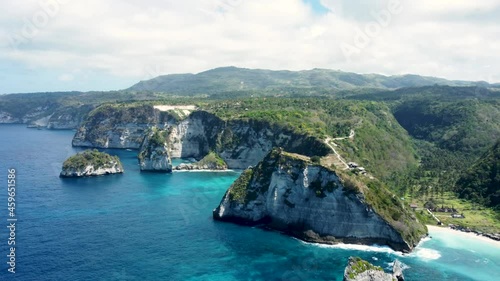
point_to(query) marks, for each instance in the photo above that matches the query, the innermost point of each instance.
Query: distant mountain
(482, 182)
(228, 79)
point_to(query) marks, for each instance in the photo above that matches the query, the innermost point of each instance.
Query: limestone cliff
(154, 155)
(54, 116)
(116, 126)
(67, 118)
(360, 270)
(289, 193)
(240, 143)
(91, 163)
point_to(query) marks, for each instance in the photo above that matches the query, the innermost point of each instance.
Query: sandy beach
(449, 231)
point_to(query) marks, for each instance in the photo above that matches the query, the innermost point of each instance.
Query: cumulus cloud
(139, 39)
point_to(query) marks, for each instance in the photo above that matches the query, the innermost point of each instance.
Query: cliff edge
(287, 192)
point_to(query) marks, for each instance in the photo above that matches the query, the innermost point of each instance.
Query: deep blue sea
(140, 226)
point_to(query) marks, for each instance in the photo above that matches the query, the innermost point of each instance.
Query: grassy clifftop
(374, 193)
(380, 143)
(91, 158)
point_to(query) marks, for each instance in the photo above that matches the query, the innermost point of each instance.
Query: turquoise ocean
(140, 226)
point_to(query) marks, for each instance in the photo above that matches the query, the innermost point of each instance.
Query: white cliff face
(90, 171)
(154, 157)
(65, 121)
(120, 136)
(310, 202)
(6, 118)
(157, 162)
(239, 143)
(253, 146)
(188, 139)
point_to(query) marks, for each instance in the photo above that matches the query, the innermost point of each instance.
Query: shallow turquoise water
(159, 227)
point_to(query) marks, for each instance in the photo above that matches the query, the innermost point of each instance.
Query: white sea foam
(426, 254)
(203, 171)
(364, 248)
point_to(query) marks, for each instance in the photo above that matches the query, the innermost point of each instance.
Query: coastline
(449, 231)
(200, 171)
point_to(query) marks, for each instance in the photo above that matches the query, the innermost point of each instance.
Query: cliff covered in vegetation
(287, 192)
(91, 163)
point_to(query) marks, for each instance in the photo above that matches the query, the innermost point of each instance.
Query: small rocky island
(361, 270)
(91, 163)
(211, 162)
(289, 193)
(154, 152)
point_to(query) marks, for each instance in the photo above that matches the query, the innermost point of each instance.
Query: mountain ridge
(233, 78)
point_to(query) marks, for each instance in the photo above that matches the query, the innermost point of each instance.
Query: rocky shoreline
(91, 163)
(361, 270)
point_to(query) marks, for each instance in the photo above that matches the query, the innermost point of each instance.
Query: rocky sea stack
(289, 193)
(91, 163)
(360, 270)
(154, 154)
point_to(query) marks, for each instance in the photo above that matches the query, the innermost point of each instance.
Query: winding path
(327, 141)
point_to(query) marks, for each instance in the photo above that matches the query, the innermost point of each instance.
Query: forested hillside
(230, 79)
(481, 183)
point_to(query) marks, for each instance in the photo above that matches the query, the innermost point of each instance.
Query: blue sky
(317, 6)
(63, 45)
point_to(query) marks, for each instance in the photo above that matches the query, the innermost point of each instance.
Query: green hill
(231, 79)
(481, 183)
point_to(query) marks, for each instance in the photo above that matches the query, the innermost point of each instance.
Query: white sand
(185, 108)
(449, 231)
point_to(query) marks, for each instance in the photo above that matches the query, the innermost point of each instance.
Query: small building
(414, 206)
(353, 165)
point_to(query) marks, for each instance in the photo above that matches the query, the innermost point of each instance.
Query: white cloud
(124, 38)
(66, 77)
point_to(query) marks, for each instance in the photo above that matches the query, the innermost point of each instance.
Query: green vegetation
(392, 209)
(228, 80)
(358, 266)
(238, 191)
(158, 138)
(316, 159)
(154, 139)
(212, 159)
(481, 183)
(477, 217)
(91, 158)
(380, 143)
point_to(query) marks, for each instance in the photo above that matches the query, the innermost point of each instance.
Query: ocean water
(139, 226)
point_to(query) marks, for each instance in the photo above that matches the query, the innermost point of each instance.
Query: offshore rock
(91, 163)
(360, 270)
(154, 154)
